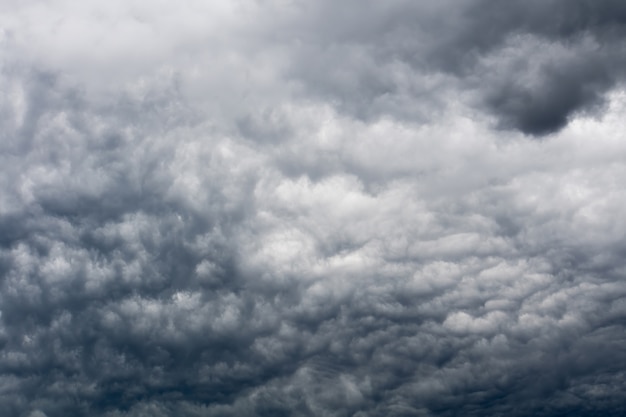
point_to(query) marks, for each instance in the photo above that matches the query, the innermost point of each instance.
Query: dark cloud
(573, 58)
(298, 208)
(533, 65)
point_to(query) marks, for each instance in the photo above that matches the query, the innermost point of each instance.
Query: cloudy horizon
(312, 208)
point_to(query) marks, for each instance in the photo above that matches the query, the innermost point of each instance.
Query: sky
(312, 208)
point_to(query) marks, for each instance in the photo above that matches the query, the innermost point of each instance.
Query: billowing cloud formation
(532, 64)
(312, 209)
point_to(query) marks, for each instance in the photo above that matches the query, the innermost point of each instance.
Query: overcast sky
(312, 208)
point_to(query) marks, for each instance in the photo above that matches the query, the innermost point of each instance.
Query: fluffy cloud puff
(298, 208)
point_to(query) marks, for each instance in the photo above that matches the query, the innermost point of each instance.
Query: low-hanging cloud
(311, 209)
(532, 65)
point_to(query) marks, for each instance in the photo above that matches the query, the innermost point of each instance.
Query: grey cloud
(376, 60)
(326, 242)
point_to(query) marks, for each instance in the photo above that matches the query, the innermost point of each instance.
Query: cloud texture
(312, 208)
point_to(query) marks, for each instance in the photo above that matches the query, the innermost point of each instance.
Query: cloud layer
(312, 209)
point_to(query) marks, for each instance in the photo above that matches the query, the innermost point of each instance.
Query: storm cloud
(312, 208)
